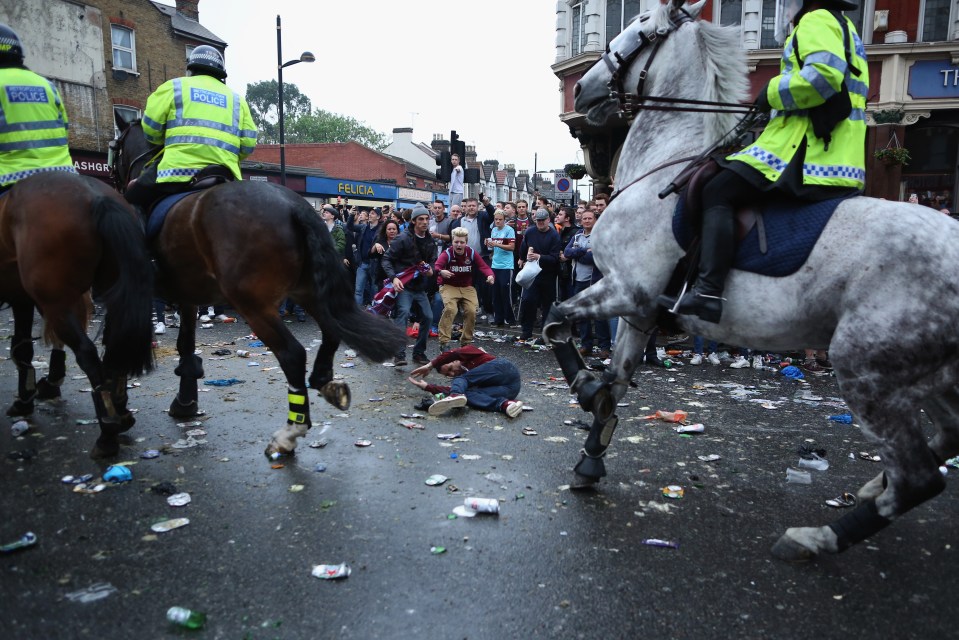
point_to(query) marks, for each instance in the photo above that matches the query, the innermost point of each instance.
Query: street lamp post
(306, 56)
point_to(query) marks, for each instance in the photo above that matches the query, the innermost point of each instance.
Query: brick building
(913, 55)
(106, 57)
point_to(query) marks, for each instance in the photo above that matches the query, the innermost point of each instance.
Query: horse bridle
(114, 159)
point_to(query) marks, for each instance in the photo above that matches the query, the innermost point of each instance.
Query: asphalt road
(552, 564)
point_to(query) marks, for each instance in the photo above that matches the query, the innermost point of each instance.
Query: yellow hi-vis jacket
(199, 121)
(796, 90)
(33, 127)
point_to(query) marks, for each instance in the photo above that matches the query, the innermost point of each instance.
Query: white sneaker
(714, 359)
(758, 362)
(739, 363)
(697, 359)
(447, 404)
(514, 408)
(159, 329)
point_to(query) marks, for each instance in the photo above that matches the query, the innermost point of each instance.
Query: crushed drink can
(448, 436)
(243, 353)
(482, 505)
(170, 525)
(179, 500)
(19, 428)
(689, 428)
(656, 542)
(331, 571)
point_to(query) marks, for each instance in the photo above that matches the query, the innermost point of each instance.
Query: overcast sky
(480, 68)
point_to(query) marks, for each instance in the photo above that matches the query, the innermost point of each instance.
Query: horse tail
(374, 337)
(127, 331)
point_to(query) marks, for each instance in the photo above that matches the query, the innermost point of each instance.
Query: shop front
(351, 192)
(407, 198)
(91, 163)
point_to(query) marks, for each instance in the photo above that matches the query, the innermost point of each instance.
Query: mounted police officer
(812, 149)
(33, 120)
(199, 122)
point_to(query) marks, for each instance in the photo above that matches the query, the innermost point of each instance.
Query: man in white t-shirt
(456, 180)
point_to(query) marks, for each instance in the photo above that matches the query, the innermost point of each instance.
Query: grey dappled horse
(879, 288)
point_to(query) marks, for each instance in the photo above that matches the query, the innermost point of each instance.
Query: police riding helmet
(837, 5)
(207, 61)
(11, 51)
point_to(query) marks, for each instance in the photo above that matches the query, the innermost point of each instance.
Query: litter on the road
(712, 457)
(149, 454)
(92, 593)
(795, 476)
(482, 505)
(362, 443)
(223, 382)
(689, 428)
(77, 479)
(814, 461)
(19, 428)
(409, 424)
(673, 492)
(656, 542)
(319, 444)
(436, 479)
(179, 500)
(320, 467)
(117, 473)
(668, 416)
(841, 502)
(170, 525)
(448, 436)
(869, 456)
(192, 423)
(528, 431)
(332, 571)
(437, 550)
(296, 488)
(86, 421)
(26, 540)
(842, 418)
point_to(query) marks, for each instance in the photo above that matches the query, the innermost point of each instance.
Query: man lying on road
(480, 380)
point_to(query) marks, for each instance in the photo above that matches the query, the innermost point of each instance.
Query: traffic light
(445, 165)
(458, 147)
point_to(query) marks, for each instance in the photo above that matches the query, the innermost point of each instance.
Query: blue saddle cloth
(791, 233)
(160, 211)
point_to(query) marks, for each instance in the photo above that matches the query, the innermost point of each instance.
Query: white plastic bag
(528, 273)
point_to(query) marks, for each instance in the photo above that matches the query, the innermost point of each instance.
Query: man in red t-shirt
(480, 380)
(455, 267)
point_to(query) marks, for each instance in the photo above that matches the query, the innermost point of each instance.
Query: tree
(323, 126)
(264, 98)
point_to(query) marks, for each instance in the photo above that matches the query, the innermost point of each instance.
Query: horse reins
(116, 150)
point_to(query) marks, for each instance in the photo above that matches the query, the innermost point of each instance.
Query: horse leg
(292, 359)
(336, 392)
(21, 352)
(597, 395)
(190, 369)
(943, 410)
(48, 387)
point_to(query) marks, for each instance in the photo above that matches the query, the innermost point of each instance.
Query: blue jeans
(586, 326)
(404, 302)
(698, 342)
(489, 385)
(365, 287)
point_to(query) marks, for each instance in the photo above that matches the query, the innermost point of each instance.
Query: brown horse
(252, 244)
(62, 235)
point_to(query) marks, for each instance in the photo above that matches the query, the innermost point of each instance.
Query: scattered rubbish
(206, 325)
(656, 542)
(26, 540)
(448, 436)
(170, 525)
(409, 424)
(23, 454)
(149, 454)
(795, 476)
(278, 465)
(117, 473)
(94, 592)
(85, 488)
(377, 399)
(296, 488)
(412, 415)
(179, 500)
(332, 571)
(668, 416)
(436, 480)
(222, 382)
(526, 407)
(192, 423)
(792, 372)
(188, 443)
(471, 456)
(953, 462)
(362, 443)
(347, 365)
(256, 343)
(19, 428)
(712, 457)
(195, 433)
(437, 550)
(320, 467)
(529, 431)
(86, 421)
(673, 492)
(495, 477)
(319, 444)
(841, 502)
(225, 352)
(814, 461)
(252, 364)
(579, 424)
(842, 418)
(349, 353)
(454, 455)
(472, 506)
(869, 456)
(77, 479)
(243, 353)
(186, 618)
(462, 512)
(164, 489)
(689, 428)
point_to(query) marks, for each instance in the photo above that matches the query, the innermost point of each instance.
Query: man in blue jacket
(541, 244)
(585, 273)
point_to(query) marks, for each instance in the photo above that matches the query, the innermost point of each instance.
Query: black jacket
(407, 250)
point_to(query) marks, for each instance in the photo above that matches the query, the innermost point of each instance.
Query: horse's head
(128, 153)
(599, 93)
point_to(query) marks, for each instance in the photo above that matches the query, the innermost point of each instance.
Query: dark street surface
(553, 564)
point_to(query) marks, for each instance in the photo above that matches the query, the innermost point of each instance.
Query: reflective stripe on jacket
(796, 90)
(33, 127)
(199, 122)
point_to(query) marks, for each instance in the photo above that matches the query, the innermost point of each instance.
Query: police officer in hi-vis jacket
(33, 120)
(813, 147)
(199, 121)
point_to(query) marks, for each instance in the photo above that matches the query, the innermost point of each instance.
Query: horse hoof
(581, 482)
(183, 410)
(273, 451)
(47, 391)
(337, 393)
(126, 422)
(788, 550)
(105, 449)
(20, 408)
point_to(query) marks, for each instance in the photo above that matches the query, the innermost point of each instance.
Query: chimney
(470, 156)
(189, 9)
(403, 135)
(491, 163)
(510, 170)
(440, 143)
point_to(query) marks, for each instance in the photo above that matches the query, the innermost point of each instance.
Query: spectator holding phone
(503, 242)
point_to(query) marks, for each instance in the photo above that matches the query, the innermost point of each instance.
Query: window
(730, 12)
(127, 114)
(124, 53)
(767, 37)
(935, 21)
(577, 30)
(618, 15)
(189, 50)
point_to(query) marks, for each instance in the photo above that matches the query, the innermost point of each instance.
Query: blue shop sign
(934, 79)
(351, 188)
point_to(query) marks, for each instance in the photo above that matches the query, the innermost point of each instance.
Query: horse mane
(725, 64)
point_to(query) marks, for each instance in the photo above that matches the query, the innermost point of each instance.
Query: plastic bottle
(186, 618)
(843, 418)
(798, 477)
(667, 363)
(242, 353)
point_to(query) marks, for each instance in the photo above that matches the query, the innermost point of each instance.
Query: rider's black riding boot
(705, 299)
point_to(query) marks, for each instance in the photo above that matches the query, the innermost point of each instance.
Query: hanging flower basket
(575, 171)
(893, 155)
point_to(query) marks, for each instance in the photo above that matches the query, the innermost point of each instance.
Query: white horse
(878, 289)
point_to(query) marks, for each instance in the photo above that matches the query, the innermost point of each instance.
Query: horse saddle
(773, 240)
(207, 177)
